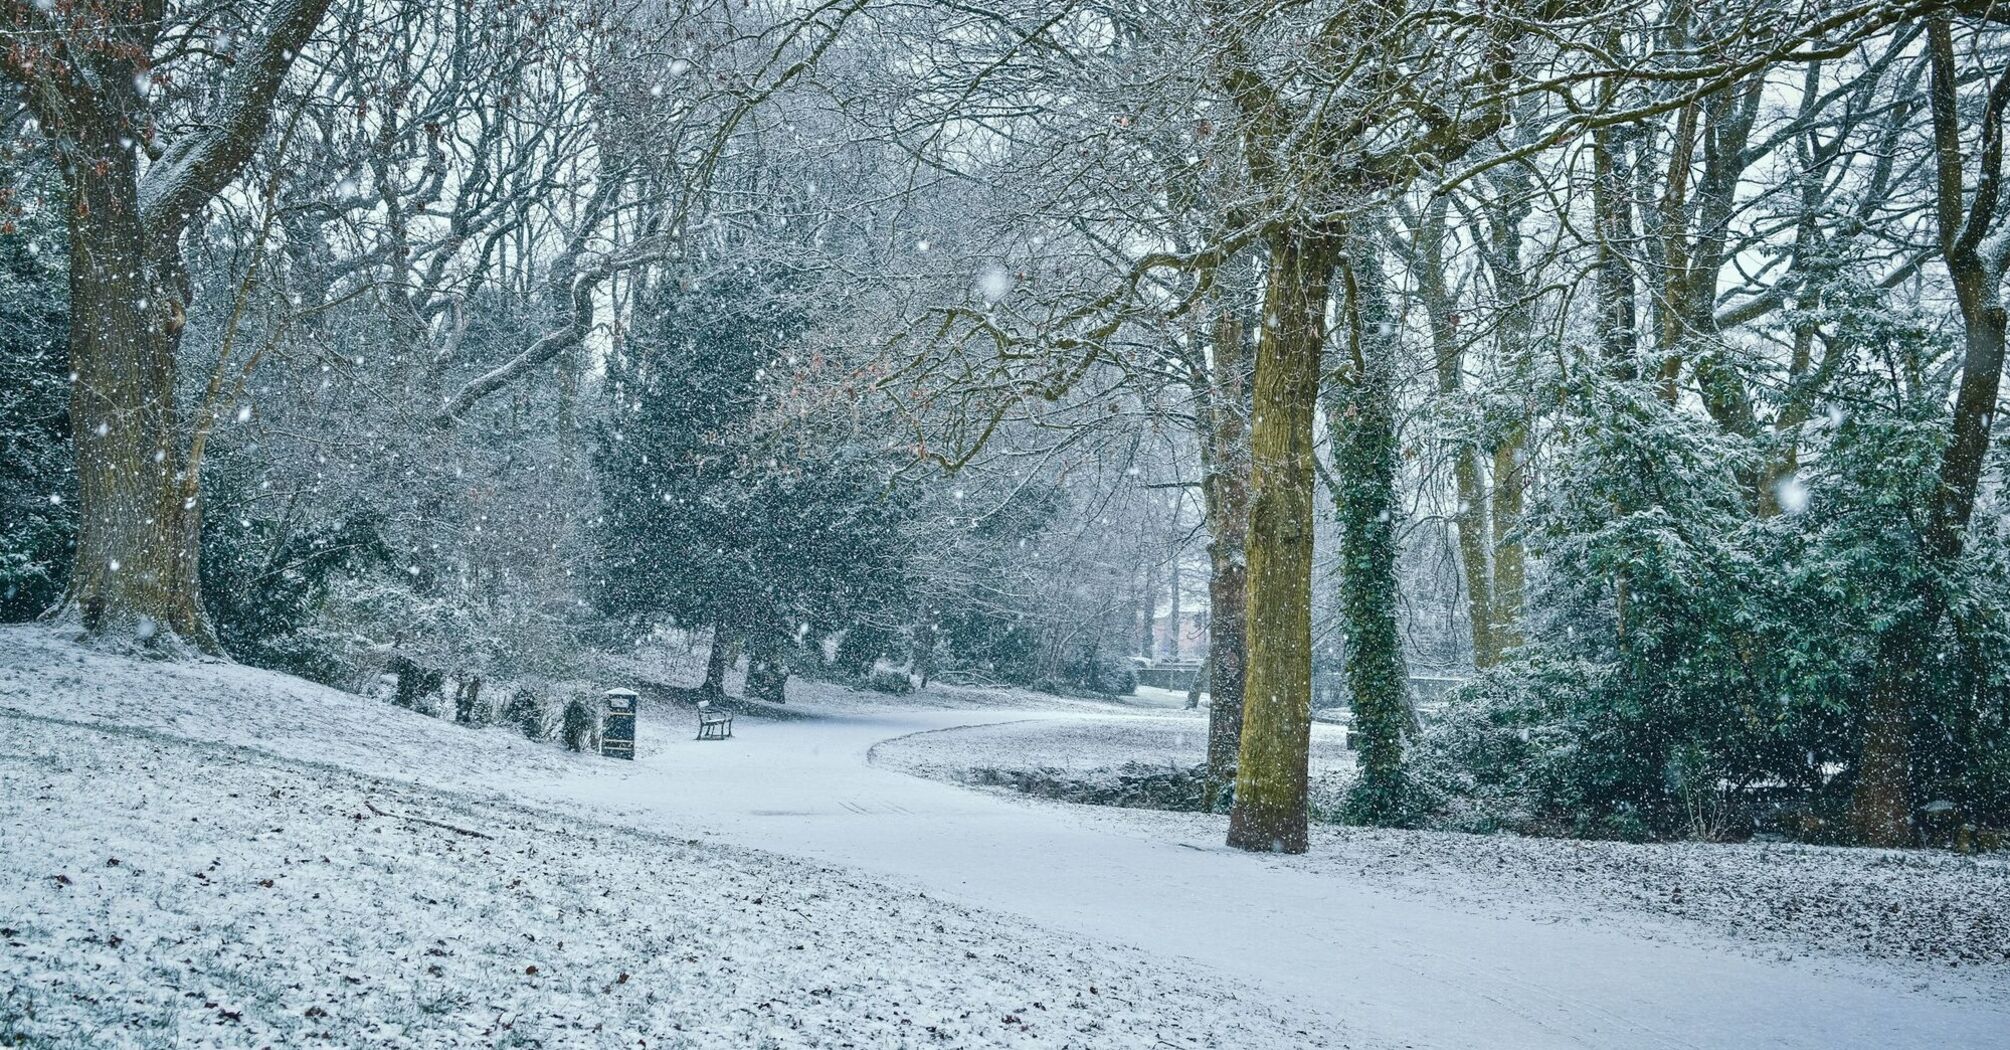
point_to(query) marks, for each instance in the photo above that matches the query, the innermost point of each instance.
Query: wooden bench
(713, 725)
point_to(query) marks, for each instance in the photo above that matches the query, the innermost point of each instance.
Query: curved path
(1390, 970)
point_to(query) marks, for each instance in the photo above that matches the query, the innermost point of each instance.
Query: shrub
(891, 682)
(577, 726)
(1107, 673)
(526, 711)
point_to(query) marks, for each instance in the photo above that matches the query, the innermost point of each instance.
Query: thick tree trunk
(85, 71)
(136, 570)
(1361, 417)
(1227, 654)
(1984, 322)
(1270, 783)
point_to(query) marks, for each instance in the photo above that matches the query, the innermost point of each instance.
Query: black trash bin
(617, 732)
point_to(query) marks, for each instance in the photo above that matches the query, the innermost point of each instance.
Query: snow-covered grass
(203, 855)
(1928, 906)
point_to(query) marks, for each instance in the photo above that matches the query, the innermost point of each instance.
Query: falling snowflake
(993, 283)
(1792, 494)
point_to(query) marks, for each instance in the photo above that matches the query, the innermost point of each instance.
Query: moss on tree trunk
(1270, 784)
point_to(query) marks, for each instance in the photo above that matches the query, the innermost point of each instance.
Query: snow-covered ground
(643, 869)
(1927, 906)
(163, 892)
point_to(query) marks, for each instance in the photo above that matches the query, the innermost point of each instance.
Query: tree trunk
(1226, 491)
(768, 668)
(717, 663)
(1198, 682)
(1613, 222)
(85, 70)
(1148, 612)
(1515, 333)
(136, 571)
(1983, 322)
(1270, 783)
(1471, 521)
(1510, 564)
(1881, 806)
(1469, 483)
(924, 648)
(1361, 418)
(1227, 654)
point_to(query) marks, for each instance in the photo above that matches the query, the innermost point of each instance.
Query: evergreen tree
(769, 540)
(38, 483)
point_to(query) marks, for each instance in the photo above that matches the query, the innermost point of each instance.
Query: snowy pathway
(1391, 970)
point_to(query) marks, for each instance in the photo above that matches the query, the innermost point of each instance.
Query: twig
(423, 820)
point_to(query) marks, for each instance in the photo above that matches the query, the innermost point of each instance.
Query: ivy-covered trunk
(1360, 416)
(1270, 782)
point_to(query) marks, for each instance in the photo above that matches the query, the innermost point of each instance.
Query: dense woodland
(1639, 361)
